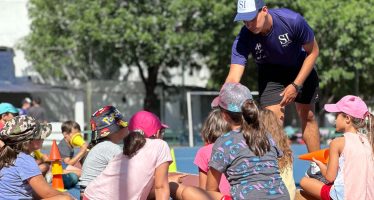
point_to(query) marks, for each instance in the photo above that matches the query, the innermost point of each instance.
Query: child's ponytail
(133, 142)
(253, 131)
(370, 130)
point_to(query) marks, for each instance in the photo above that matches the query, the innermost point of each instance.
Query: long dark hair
(134, 141)
(214, 126)
(9, 153)
(253, 131)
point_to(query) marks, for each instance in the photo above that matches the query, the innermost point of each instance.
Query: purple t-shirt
(14, 179)
(281, 46)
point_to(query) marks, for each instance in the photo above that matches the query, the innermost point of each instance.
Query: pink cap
(146, 121)
(350, 105)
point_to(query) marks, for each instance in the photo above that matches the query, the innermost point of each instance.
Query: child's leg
(72, 169)
(311, 187)
(193, 193)
(185, 187)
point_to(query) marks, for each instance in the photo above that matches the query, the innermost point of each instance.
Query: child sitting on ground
(247, 155)
(213, 127)
(274, 127)
(8, 112)
(350, 168)
(108, 130)
(70, 162)
(20, 177)
(142, 166)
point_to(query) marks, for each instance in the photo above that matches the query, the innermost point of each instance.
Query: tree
(92, 39)
(345, 34)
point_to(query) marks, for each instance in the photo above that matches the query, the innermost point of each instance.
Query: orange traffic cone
(55, 153)
(57, 182)
(57, 170)
(321, 155)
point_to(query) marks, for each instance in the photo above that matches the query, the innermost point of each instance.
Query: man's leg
(309, 126)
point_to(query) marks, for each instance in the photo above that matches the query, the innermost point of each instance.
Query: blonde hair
(365, 126)
(214, 126)
(273, 125)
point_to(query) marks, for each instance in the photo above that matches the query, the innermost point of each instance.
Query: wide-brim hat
(105, 121)
(23, 128)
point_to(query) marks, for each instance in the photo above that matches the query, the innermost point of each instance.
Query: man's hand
(289, 94)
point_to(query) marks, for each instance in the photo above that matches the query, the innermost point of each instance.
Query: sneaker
(48, 176)
(315, 172)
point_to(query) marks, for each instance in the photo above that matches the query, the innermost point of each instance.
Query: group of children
(246, 156)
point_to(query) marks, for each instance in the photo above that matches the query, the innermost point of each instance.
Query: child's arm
(43, 190)
(331, 170)
(202, 179)
(212, 184)
(82, 152)
(162, 190)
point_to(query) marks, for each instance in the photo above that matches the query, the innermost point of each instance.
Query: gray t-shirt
(65, 150)
(38, 113)
(97, 159)
(250, 176)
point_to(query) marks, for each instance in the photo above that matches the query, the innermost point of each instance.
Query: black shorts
(272, 80)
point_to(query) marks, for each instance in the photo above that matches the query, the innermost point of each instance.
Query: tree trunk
(151, 102)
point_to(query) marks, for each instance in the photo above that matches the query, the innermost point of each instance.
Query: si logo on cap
(245, 6)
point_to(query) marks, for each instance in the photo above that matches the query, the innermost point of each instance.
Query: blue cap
(7, 107)
(248, 9)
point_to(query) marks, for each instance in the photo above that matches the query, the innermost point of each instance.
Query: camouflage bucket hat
(105, 121)
(24, 128)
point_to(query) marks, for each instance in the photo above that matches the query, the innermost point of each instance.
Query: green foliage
(345, 33)
(91, 39)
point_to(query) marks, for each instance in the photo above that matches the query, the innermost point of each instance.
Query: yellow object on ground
(173, 165)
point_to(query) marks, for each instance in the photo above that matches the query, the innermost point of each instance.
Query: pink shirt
(130, 179)
(202, 159)
(355, 177)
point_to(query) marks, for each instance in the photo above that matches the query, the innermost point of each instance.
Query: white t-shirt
(130, 179)
(97, 159)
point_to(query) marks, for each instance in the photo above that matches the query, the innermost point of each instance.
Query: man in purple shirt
(285, 50)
